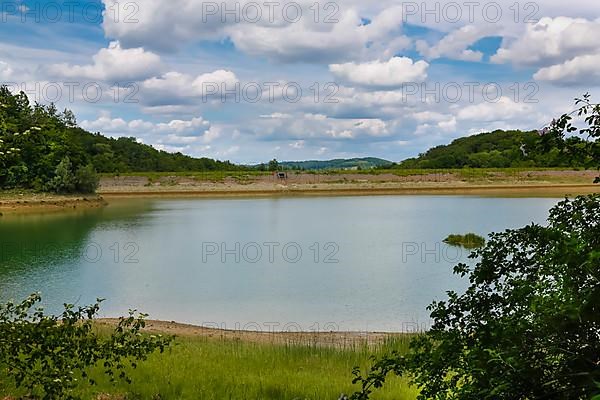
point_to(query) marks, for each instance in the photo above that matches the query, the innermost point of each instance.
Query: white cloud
(304, 127)
(582, 70)
(382, 74)
(194, 130)
(168, 25)
(302, 41)
(299, 144)
(456, 44)
(276, 115)
(551, 41)
(173, 87)
(504, 109)
(6, 71)
(113, 64)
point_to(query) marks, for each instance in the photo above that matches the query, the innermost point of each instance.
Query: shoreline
(550, 190)
(25, 203)
(327, 339)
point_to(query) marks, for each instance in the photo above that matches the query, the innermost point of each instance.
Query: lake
(285, 264)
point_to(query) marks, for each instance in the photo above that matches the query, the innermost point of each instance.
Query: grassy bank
(215, 368)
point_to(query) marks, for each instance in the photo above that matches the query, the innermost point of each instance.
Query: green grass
(210, 368)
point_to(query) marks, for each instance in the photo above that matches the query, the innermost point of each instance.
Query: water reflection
(356, 263)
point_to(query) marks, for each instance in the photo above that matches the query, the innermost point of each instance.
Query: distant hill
(351, 163)
(498, 149)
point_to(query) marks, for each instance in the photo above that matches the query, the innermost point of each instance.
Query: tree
(35, 139)
(64, 181)
(572, 148)
(86, 179)
(273, 165)
(49, 355)
(528, 326)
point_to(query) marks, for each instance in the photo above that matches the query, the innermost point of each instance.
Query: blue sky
(304, 79)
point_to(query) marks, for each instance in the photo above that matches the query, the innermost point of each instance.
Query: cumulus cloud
(503, 109)
(113, 64)
(581, 70)
(174, 88)
(160, 25)
(321, 127)
(551, 41)
(455, 45)
(382, 74)
(329, 36)
(182, 131)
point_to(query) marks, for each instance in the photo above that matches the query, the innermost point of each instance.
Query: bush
(64, 181)
(16, 174)
(86, 179)
(49, 355)
(528, 326)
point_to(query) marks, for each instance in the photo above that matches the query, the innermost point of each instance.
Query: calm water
(347, 263)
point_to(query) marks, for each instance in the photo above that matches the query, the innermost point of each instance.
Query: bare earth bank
(328, 339)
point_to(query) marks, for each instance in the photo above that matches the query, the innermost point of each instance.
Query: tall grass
(214, 368)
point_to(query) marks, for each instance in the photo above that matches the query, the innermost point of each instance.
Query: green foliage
(34, 140)
(64, 180)
(498, 149)
(86, 179)
(273, 165)
(528, 326)
(584, 152)
(49, 355)
(468, 241)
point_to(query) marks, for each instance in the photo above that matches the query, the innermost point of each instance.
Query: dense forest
(38, 144)
(502, 149)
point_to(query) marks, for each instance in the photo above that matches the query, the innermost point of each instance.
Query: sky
(252, 80)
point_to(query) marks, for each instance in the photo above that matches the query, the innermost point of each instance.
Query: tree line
(43, 149)
(505, 149)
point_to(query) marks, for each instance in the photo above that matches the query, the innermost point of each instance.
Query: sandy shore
(373, 190)
(330, 339)
(534, 183)
(27, 202)
(521, 184)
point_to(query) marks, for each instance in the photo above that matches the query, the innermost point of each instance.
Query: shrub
(63, 181)
(527, 327)
(49, 355)
(86, 179)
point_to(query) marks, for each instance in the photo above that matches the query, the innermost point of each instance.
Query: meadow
(216, 368)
